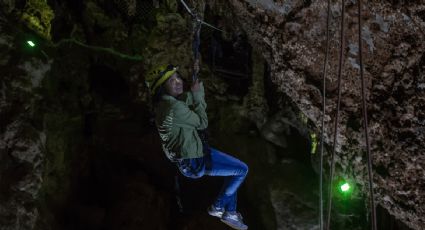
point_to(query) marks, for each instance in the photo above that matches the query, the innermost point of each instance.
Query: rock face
(77, 150)
(22, 161)
(55, 100)
(291, 36)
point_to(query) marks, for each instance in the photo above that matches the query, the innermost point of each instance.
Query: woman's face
(174, 85)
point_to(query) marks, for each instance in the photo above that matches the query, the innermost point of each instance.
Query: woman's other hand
(195, 86)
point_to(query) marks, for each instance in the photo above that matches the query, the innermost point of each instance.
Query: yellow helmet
(158, 75)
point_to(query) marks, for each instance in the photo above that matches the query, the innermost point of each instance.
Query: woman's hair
(157, 96)
(154, 103)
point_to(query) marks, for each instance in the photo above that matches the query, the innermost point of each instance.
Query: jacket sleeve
(192, 118)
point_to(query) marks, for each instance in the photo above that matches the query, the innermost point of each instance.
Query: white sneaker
(234, 220)
(214, 211)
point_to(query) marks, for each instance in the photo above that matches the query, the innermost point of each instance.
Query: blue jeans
(218, 164)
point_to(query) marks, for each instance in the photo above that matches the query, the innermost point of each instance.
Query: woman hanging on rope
(179, 116)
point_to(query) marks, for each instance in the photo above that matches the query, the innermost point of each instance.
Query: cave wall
(291, 37)
(56, 100)
(56, 107)
(21, 141)
(78, 148)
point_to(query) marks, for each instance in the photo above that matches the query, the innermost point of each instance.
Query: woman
(179, 116)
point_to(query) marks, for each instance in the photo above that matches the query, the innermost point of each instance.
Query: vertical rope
(341, 54)
(177, 192)
(195, 47)
(365, 122)
(325, 73)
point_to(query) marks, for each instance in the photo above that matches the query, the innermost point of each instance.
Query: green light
(31, 43)
(345, 187)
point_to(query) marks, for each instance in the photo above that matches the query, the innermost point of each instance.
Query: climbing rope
(341, 52)
(61, 42)
(177, 192)
(196, 17)
(197, 22)
(195, 47)
(97, 48)
(325, 73)
(365, 123)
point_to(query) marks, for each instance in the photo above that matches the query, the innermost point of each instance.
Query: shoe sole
(215, 215)
(233, 226)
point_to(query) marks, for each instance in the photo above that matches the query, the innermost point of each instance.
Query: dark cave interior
(105, 168)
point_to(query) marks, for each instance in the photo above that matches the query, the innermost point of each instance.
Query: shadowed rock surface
(78, 149)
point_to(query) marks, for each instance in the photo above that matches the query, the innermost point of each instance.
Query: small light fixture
(345, 187)
(30, 43)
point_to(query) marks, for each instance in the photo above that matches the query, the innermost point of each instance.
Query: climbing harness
(365, 122)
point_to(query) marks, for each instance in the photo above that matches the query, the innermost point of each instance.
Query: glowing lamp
(30, 43)
(345, 187)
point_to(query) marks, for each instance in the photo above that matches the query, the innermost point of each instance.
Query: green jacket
(177, 121)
